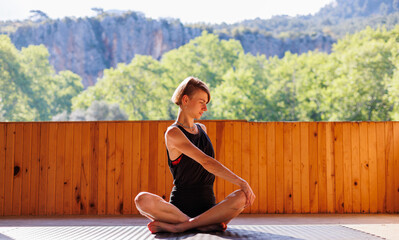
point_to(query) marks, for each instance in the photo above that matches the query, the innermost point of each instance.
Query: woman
(190, 158)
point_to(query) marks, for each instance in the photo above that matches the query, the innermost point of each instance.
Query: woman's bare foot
(220, 227)
(156, 226)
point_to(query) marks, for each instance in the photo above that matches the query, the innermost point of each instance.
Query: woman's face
(196, 105)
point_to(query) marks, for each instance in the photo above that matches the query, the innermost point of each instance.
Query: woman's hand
(248, 193)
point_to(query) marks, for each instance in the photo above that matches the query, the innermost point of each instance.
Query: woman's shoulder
(172, 129)
(203, 127)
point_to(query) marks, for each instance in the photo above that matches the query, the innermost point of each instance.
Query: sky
(188, 11)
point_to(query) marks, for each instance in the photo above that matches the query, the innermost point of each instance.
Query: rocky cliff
(87, 46)
(257, 43)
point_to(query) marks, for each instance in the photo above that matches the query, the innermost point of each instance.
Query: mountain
(87, 46)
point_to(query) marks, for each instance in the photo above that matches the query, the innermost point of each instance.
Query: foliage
(355, 82)
(137, 87)
(98, 110)
(241, 95)
(30, 90)
(15, 104)
(358, 81)
(366, 65)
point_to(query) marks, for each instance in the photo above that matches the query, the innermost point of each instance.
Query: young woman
(191, 161)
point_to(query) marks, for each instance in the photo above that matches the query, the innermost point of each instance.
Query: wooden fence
(97, 168)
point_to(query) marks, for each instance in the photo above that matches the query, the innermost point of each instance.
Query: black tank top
(187, 173)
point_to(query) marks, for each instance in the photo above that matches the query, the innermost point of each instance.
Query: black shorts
(193, 201)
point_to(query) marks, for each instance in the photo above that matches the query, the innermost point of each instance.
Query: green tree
(137, 87)
(205, 57)
(281, 94)
(29, 88)
(312, 71)
(366, 64)
(241, 95)
(393, 94)
(14, 102)
(66, 85)
(50, 93)
(98, 111)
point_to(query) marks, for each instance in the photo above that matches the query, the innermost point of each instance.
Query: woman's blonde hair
(188, 87)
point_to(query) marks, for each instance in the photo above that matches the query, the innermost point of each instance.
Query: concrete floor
(376, 226)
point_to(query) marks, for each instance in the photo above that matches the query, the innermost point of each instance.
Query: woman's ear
(184, 99)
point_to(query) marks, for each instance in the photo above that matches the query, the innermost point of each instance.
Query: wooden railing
(62, 168)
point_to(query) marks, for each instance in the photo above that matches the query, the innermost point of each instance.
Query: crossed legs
(168, 218)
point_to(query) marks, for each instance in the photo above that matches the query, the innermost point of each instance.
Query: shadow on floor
(228, 234)
(4, 237)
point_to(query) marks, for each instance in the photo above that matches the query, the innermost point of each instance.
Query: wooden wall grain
(97, 168)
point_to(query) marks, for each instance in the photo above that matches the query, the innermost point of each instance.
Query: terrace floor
(246, 226)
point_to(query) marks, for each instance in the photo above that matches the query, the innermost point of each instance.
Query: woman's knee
(144, 201)
(239, 199)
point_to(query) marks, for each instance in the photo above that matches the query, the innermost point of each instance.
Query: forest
(357, 81)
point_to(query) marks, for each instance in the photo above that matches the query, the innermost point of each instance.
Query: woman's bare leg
(157, 209)
(226, 210)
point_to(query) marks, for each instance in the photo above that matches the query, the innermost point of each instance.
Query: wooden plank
(271, 166)
(127, 167)
(305, 171)
(313, 168)
(136, 162)
(60, 169)
(67, 188)
(110, 190)
(237, 149)
(43, 159)
(381, 164)
(162, 161)
(119, 162)
(76, 168)
(355, 141)
(9, 170)
(322, 166)
(35, 170)
(211, 129)
(396, 164)
(330, 168)
(364, 172)
(262, 169)
(296, 169)
(347, 162)
(390, 171)
(153, 157)
(288, 167)
(102, 167)
(52, 166)
(3, 145)
(85, 169)
(279, 167)
(245, 155)
(339, 168)
(228, 153)
(17, 181)
(372, 158)
(220, 156)
(26, 168)
(144, 157)
(254, 164)
(94, 159)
